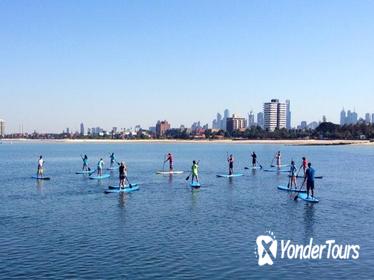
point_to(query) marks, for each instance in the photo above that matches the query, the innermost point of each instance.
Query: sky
(123, 63)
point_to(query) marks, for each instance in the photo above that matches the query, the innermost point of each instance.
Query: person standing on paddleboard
(278, 159)
(122, 174)
(112, 160)
(304, 165)
(293, 171)
(39, 173)
(169, 158)
(195, 171)
(100, 166)
(85, 163)
(230, 160)
(254, 159)
(309, 178)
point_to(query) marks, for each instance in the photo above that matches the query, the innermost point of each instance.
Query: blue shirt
(309, 173)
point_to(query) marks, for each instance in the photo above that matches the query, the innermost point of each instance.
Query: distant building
(161, 128)
(251, 119)
(303, 125)
(226, 114)
(367, 118)
(274, 115)
(343, 117)
(2, 128)
(324, 119)
(82, 132)
(196, 126)
(260, 119)
(312, 125)
(67, 131)
(235, 123)
(288, 114)
(372, 118)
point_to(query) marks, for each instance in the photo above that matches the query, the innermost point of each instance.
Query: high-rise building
(260, 119)
(367, 118)
(288, 114)
(251, 119)
(343, 117)
(219, 121)
(226, 114)
(324, 119)
(82, 129)
(2, 128)
(161, 128)
(235, 123)
(372, 118)
(275, 116)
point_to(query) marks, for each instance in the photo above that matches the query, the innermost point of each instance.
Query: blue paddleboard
(229, 176)
(41, 178)
(84, 172)
(113, 168)
(309, 198)
(285, 188)
(95, 177)
(276, 170)
(195, 185)
(126, 189)
(169, 172)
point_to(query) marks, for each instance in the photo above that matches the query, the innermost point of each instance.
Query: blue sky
(122, 63)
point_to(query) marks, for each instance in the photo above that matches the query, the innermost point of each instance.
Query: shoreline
(179, 141)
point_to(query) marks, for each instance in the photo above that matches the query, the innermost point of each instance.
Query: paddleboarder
(112, 160)
(100, 166)
(122, 175)
(254, 159)
(304, 165)
(309, 178)
(230, 160)
(278, 158)
(169, 158)
(39, 173)
(293, 171)
(195, 171)
(85, 163)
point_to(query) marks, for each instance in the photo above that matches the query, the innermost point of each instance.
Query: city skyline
(128, 63)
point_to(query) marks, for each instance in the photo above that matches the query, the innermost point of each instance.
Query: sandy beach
(179, 141)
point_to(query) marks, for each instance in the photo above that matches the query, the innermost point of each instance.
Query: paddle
(163, 165)
(297, 193)
(90, 173)
(271, 165)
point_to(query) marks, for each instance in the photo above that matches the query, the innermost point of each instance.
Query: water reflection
(309, 220)
(122, 198)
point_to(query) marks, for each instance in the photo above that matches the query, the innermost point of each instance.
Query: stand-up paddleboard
(285, 188)
(230, 176)
(279, 166)
(84, 172)
(96, 177)
(169, 172)
(113, 168)
(195, 185)
(126, 189)
(41, 178)
(309, 198)
(253, 167)
(276, 170)
(315, 177)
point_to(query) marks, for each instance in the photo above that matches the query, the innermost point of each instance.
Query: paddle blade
(188, 177)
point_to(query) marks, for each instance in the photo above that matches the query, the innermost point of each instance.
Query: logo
(267, 247)
(267, 250)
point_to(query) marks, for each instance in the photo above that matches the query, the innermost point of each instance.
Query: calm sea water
(68, 228)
